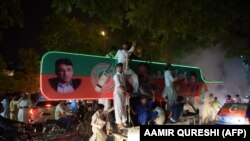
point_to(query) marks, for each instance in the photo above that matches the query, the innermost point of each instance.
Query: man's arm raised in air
(132, 49)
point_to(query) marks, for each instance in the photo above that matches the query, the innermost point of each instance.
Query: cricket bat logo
(103, 78)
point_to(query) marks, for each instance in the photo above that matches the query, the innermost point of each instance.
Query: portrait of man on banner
(64, 82)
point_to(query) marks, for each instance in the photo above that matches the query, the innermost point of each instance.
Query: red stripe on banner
(185, 88)
(86, 89)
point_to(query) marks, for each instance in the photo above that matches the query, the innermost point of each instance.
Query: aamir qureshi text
(182, 132)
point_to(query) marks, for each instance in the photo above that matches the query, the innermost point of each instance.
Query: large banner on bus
(77, 76)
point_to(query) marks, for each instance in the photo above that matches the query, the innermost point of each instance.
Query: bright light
(103, 33)
(48, 105)
(8, 72)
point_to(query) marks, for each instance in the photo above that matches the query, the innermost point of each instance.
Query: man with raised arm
(123, 56)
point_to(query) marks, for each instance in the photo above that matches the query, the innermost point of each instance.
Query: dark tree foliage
(11, 15)
(67, 33)
(173, 26)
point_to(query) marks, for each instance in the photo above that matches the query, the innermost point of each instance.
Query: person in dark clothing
(144, 111)
(81, 110)
(87, 120)
(176, 110)
(8, 127)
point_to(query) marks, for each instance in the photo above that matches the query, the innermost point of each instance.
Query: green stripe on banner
(82, 64)
(89, 72)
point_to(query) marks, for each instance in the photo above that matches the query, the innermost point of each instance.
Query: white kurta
(61, 110)
(121, 55)
(119, 99)
(207, 110)
(24, 110)
(216, 105)
(97, 128)
(6, 105)
(168, 89)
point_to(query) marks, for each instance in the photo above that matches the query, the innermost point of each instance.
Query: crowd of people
(16, 108)
(134, 100)
(140, 91)
(135, 97)
(14, 112)
(212, 105)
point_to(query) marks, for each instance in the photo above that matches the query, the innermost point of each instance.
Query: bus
(91, 77)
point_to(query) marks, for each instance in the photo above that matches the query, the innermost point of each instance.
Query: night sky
(34, 11)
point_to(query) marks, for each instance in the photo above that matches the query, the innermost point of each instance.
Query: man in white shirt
(168, 92)
(62, 115)
(120, 94)
(207, 110)
(23, 106)
(6, 112)
(123, 55)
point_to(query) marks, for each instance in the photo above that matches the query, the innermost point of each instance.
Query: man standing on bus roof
(123, 55)
(168, 93)
(120, 95)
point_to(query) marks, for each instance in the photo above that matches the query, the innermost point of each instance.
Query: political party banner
(66, 75)
(84, 76)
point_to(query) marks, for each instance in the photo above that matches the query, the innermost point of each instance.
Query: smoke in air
(216, 67)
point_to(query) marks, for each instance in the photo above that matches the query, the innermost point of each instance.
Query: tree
(11, 15)
(6, 82)
(28, 78)
(70, 34)
(175, 26)
(2, 77)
